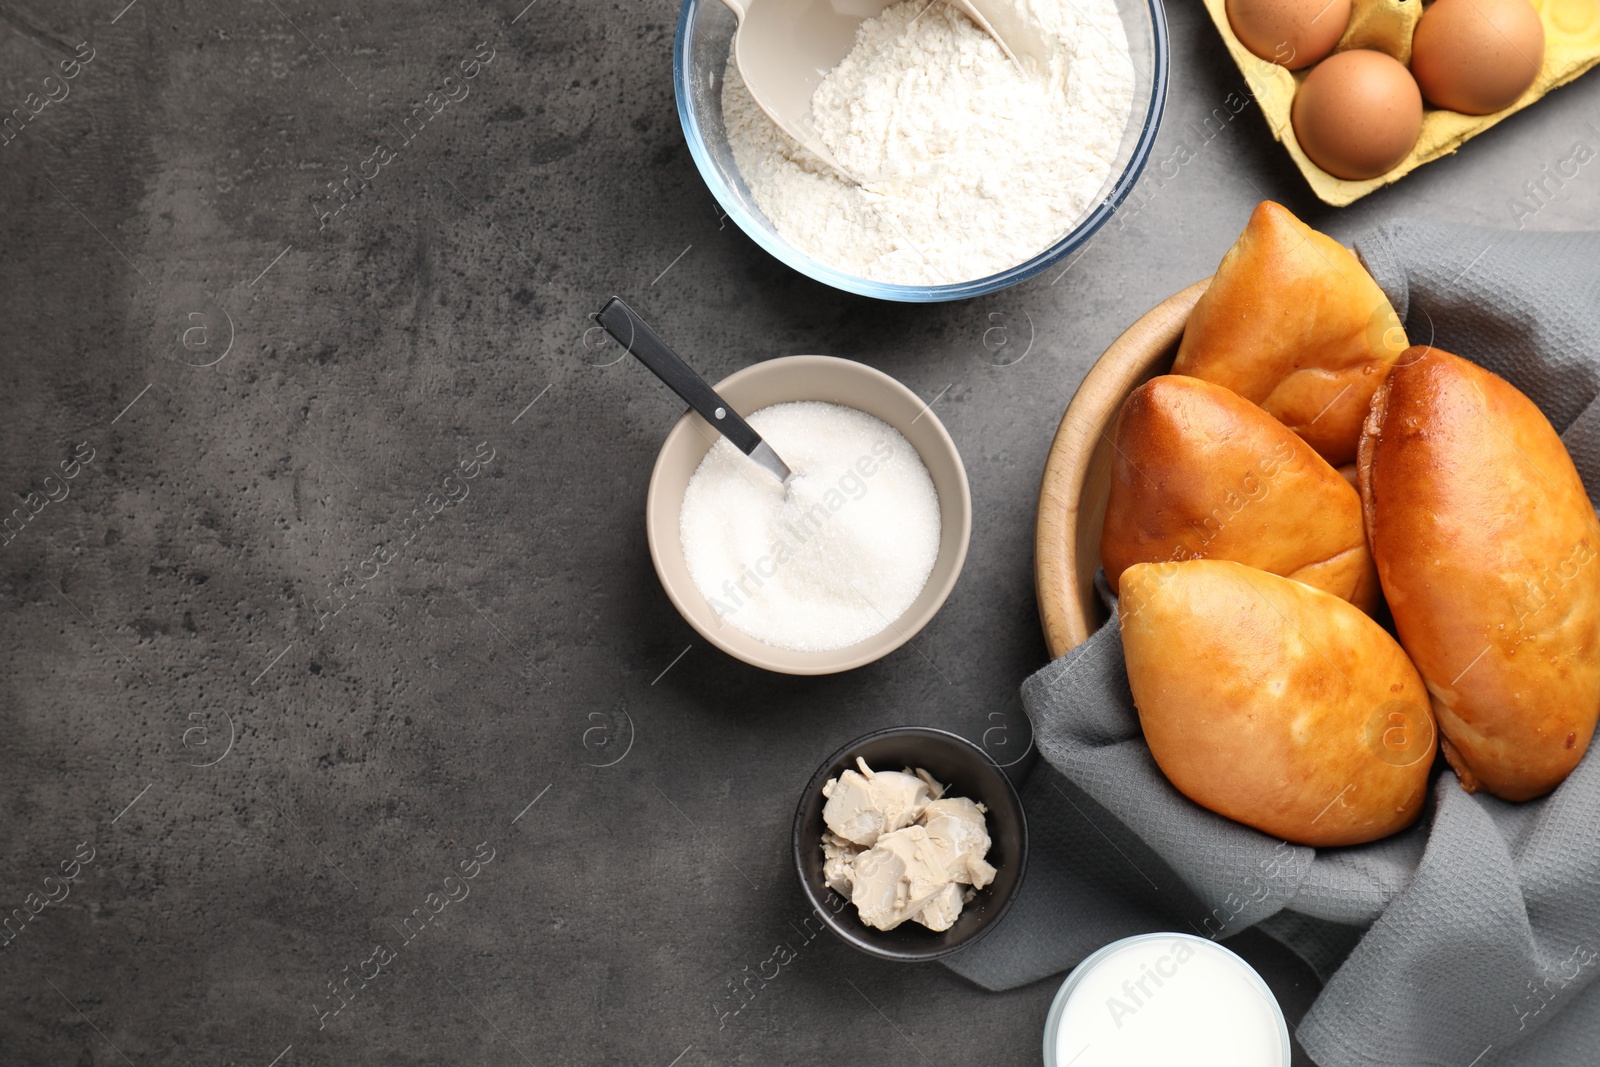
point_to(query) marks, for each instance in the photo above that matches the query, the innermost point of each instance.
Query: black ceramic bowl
(967, 771)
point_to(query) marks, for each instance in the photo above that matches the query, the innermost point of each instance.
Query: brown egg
(1358, 113)
(1291, 33)
(1477, 56)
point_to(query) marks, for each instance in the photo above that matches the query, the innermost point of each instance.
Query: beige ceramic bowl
(838, 381)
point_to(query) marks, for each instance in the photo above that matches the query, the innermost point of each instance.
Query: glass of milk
(1160, 999)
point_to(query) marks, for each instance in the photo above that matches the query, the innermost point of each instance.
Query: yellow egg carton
(1571, 46)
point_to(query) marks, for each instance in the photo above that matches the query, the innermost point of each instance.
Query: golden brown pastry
(1485, 544)
(1275, 704)
(1199, 472)
(1293, 322)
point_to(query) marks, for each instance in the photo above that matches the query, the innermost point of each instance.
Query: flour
(970, 165)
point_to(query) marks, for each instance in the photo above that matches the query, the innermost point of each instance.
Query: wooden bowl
(1077, 473)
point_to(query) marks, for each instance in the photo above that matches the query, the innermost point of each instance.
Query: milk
(1158, 1000)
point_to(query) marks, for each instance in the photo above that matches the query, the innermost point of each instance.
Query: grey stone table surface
(265, 716)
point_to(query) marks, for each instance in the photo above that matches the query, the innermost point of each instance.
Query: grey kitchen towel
(1471, 939)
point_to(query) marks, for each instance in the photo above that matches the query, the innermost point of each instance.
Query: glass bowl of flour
(972, 173)
(841, 565)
